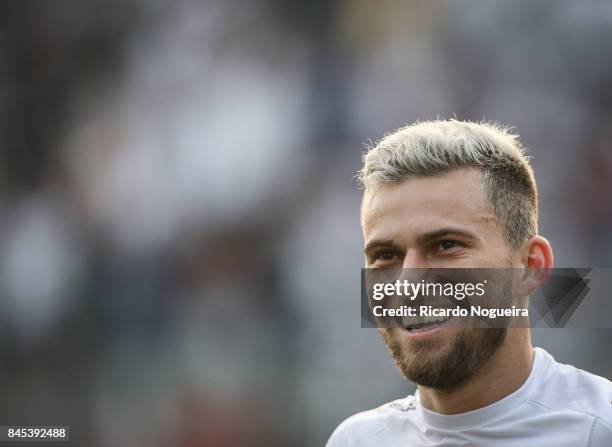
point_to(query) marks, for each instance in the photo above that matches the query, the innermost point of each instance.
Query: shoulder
(567, 388)
(368, 426)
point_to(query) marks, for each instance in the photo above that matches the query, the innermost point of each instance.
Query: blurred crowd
(179, 223)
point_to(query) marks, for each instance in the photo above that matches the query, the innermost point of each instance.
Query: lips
(422, 324)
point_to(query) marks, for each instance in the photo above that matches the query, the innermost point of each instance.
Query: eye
(385, 255)
(447, 244)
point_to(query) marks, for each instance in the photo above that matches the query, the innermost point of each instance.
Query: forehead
(424, 204)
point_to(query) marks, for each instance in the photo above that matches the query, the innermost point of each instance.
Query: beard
(445, 368)
(447, 362)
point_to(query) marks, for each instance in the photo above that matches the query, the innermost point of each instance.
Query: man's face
(436, 222)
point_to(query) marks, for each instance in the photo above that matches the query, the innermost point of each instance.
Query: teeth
(410, 321)
(413, 321)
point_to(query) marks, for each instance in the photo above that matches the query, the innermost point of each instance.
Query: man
(452, 194)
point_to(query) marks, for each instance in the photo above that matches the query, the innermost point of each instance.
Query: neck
(503, 374)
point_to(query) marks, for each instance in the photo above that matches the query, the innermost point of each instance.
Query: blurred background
(180, 248)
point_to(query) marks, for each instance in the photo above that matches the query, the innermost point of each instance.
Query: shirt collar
(494, 410)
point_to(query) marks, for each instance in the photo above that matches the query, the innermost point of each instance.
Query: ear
(537, 260)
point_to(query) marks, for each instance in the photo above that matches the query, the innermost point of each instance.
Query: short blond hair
(431, 148)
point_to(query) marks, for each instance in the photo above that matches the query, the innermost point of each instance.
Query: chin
(444, 361)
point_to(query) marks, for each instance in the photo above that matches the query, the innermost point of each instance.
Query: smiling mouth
(423, 324)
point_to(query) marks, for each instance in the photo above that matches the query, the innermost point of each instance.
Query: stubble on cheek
(414, 356)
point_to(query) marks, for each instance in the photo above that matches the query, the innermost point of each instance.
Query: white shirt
(557, 406)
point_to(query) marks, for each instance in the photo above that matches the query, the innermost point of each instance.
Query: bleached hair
(433, 148)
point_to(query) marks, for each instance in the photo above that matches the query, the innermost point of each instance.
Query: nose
(414, 267)
(413, 260)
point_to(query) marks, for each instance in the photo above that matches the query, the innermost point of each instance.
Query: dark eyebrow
(422, 239)
(381, 243)
(442, 232)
